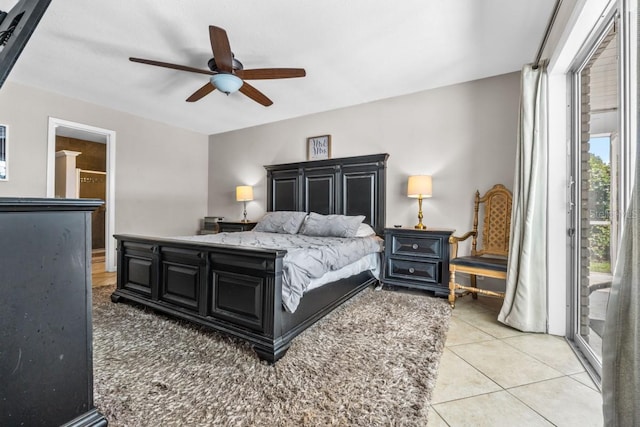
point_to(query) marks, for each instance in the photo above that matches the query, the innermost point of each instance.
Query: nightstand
(417, 259)
(233, 226)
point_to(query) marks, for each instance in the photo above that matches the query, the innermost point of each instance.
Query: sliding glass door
(600, 165)
(596, 157)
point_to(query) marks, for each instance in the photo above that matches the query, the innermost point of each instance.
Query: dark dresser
(417, 259)
(46, 354)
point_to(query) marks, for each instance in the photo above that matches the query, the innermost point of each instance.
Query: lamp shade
(419, 186)
(244, 193)
(227, 83)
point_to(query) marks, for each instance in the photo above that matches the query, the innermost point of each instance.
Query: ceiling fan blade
(172, 66)
(255, 94)
(270, 73)
(202, 92)
(221, 48)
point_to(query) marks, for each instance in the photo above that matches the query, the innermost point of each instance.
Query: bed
(238, 290)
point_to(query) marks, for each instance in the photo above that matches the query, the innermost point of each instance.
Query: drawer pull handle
(412, 270)
(414, 246)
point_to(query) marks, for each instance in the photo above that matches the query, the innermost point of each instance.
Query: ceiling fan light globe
(227, 83)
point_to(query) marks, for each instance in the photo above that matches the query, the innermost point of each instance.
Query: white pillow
(365, 230)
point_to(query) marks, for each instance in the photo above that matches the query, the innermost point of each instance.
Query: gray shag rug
(373, 361)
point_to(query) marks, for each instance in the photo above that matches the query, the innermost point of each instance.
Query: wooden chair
(491, 259)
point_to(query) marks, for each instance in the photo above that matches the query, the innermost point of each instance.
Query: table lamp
(419, 186)
(244, 193)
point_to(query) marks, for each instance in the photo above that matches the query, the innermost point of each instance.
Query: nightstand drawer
(231, 228)
(412, 270)
(235, 226)
(414, 246)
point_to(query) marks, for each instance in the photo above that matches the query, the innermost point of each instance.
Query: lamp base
(420, 225)
(244, 213)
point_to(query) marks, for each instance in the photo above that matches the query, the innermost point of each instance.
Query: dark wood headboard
(346, 186)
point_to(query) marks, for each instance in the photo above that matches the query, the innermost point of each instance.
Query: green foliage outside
(599, 189)
(599, 210)
(599, 243)
(600, 267)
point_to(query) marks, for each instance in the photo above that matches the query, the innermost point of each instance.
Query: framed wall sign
(4, 175)
(319, 147)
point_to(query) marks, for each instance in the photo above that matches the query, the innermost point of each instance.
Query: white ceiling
(354, 51)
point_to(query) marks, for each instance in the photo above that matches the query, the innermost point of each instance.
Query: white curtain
(525, 302)
(621, 343)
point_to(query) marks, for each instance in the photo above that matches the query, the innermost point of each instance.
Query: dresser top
(22, 204)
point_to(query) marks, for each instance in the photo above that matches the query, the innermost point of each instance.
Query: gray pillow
(284, 222)
(331, 225)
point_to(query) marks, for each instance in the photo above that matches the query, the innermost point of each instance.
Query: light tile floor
(493, 375)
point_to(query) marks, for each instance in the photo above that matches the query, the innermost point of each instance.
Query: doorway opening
(81, 164)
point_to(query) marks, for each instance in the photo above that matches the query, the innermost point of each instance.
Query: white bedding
(369, 262)
(307, 258)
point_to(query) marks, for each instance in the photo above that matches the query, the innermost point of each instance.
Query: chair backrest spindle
(497, 221)
(476, 208)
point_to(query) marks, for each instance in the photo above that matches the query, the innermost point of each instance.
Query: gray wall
(161, 170)
(464, 135)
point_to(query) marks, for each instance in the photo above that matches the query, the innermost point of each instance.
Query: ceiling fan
(227, 73)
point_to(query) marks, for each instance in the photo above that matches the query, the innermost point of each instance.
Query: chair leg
(452, 288)
(472, 279)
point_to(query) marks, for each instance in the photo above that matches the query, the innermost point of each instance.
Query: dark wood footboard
(234, 290)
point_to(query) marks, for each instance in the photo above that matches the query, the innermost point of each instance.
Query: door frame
(593, 363)
(110, 136)
(622, 14)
